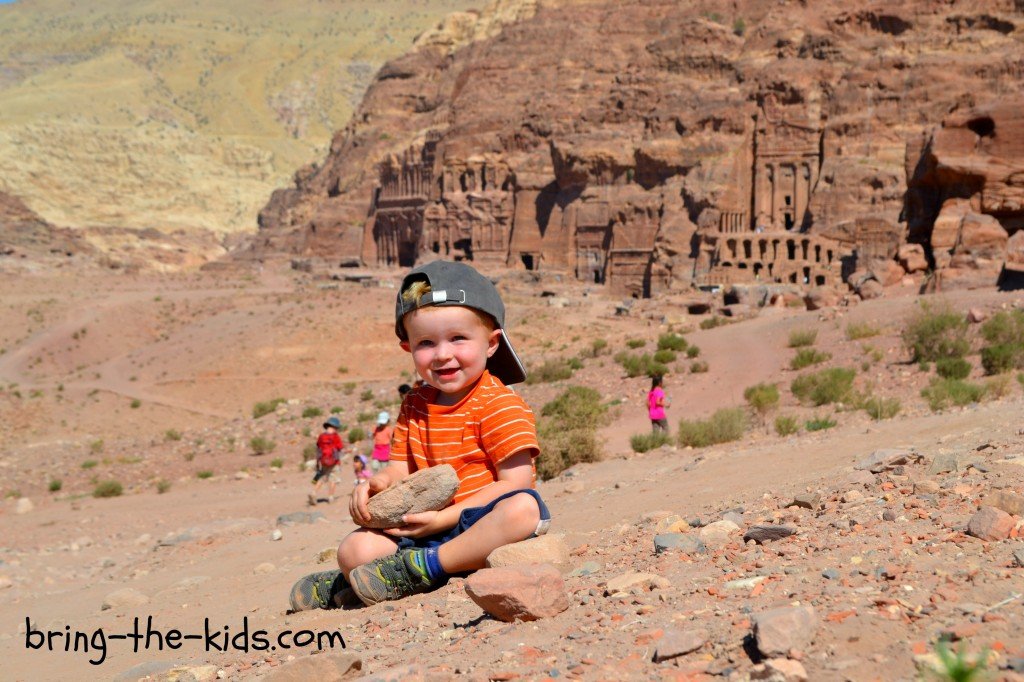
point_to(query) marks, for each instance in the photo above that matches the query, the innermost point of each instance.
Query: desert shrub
(798, 338)
(942, 393)
(309, 452)
(692, 352)
(551, 370)
(672, 342)
(596, 347)
(348, 387)
(1002, 357)
(108, 489)
(568, 430)
(366, 395)
(640, 365)
(698, 367)
(311, 412)
(635, 343)
(574, 364)
(1004, 328)
(356, 434)
(931, 334)
(135, 404)
(725, 425)
(172, 434)
(665, 356)
(89, 464)
(96, 446)
(277, 463)
(204, 474)
(337, 409)
(861, 330)
(805, 357)
(824, 386)
(739, 26)
(162, 486)
(786, 426)
(55, 485)
(763, 398)
(642, 442)
(264, 408)
(881, 408)
(713, 321)
(952, 368)
(819, 424)
(959, 666)
(998, 386)
(1020, 378)
(261, 445)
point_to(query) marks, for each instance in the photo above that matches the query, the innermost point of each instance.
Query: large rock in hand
(428, 489)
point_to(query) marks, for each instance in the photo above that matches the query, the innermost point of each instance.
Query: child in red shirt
(329, 446)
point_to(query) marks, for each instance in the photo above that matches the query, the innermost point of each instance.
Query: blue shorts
(473, 514)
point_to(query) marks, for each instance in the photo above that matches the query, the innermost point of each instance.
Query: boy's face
(450, 346)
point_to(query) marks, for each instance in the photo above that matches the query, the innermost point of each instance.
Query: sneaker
(311, 500)
(392, 577)
(324, 590)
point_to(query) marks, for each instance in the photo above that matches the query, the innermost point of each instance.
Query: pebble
(675, 643)
(768, 533)
(276, 535)
(830, 574)
(264, 568)
(806, 501)
(779, 630)
(683, 542)
(23, 506)
(123, 598)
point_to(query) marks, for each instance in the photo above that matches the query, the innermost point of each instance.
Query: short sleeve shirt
(489, 425)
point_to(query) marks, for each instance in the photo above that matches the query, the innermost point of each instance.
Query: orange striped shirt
(489, 425)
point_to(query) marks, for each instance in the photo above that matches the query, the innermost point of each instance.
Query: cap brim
(505, 364)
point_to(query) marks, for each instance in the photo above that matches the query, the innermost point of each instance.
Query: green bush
(311, 412)
(643, 442)
(366, 395)
(552, 370)
(55, 485)
(640, 365)
(568, 430)
(665, 356)
(348, 387)
(337, 409)
(824, 386)
(819, 424)
(574, 364)
(942, 393)
(204, 474)
(698, 367)
(89, 464)
(881, 408)
(998, 386)
(172, 434)
(356, 434)
(1002, 357)
(805, 357)
(261, 445)
(96, 446)
(723, 426)
(636, 343)
(952, 368)
(1004, 328)
(763, 398)
(786, 426)
(931, 334)
(310, 452)
(692, 352)
(672, 342)
(265, 408)
(861, 330)
(596, 347)
(713, 321)
(162, 486)
(277, 463)
(135, 404)
(798, 338)
(107, 489)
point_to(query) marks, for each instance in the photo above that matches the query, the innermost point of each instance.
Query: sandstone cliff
(654, 144)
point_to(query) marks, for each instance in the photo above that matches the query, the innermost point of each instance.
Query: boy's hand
(419, 525)
(362, 493)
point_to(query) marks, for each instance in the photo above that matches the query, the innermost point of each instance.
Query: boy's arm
(515, 472)
(382, 480)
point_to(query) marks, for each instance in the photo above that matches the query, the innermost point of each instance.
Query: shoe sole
(361, 579)
(304, 597)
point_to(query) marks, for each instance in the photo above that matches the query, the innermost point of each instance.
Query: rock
(298, 517)
(188, 673)
(574, 487)
(586, 568)
(519, 593)
(776, 631)
(326, 554)
(944, 463)
(883, 460)
(889, 515)
(428, 489)
(779, 670)
(399, 673)
(263, 569)
(5, 582)
(852, 496)
(926, 487)
(806, 501)
(821, 297)
(1011, 503)
(319, 667)
(990, 523)
(124, 598)
(912, 258)
(976, 316)
(276, 535)
(763, 533)
(735, 517)
(860, 478)
(745, 583)
(23, 506)
(546, 549)
(684, 542)
(671, 524)
(830, 574)
(1018, 557)
(146, 670)
(870, 289)
(627, 581)
(676, 643)
(718, 533)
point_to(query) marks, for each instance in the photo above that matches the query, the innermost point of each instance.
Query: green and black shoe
(324, 590)
(393, 577)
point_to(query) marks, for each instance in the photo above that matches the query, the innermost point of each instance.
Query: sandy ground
(198, 351)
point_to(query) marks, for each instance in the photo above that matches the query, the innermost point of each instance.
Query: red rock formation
(626, 141)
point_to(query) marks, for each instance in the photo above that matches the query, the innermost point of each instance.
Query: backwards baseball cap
(453, 283)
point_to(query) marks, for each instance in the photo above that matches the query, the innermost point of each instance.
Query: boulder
(912, 258)
(990, 523)
(683, 542)
(779, 630)
(519, 593)
(428, 489)
(546, 549)
(768, 533)
(323, 666)
(821, 297)
(1011, 503)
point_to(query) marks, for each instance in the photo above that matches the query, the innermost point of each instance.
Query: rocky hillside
(152, 114)
(658, 120)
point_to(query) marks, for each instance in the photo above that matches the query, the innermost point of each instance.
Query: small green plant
(998, 386)
(264, 408)
(162, 486)
(805, 357)
(356, 434)
(189, 456)
(55, 485)
(672, 342)
(799, 338)
(276, 463)
(698, 367)
(959, 666)
(261, 445)
(739, 26)
(348, 387)
(640, 365)
(762, 398)
(725, 425)
(713, 321)
(96, 446)
(366, 395)
(786, 426)
(933, 333)
(309, 452)
(597, 347)
(552, 370)
(635, 343)
(1002, 357)
(881, 408)
(108, 489)
(342, 369)
(942, 393)
(337, 410)
(204, 474)
(824, 386)
(1004, 328)
(89, 464)
(365, 417)
(135, 404)
(311, 412)
(172, 434)
(665, 356)
(692, 352)
(952, 368)
(643, 442)
(568, 430)
(819, 424)
(861, 330)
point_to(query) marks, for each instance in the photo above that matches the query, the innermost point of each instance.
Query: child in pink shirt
(656, 403)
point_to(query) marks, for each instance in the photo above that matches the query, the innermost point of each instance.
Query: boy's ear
(405, 346)
(492, 342)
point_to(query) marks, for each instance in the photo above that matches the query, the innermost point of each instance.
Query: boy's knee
(358, 548)
(521, 509)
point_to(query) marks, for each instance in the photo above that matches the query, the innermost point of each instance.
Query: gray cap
(453, 283)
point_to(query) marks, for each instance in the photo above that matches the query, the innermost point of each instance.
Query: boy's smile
(450, 346)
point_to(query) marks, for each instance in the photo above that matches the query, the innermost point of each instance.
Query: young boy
(328, 447)
(450, 319)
